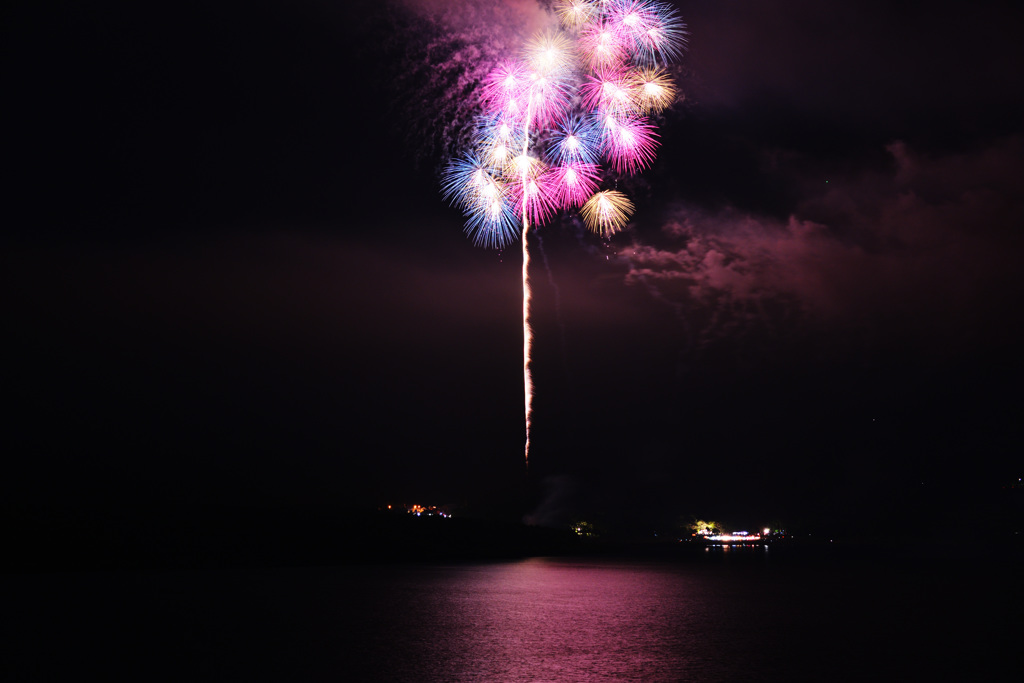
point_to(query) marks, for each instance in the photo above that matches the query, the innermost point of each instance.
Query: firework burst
(653, 90)
(503, 88)
(629, 142)
(536, 198)
(577, 96)
(474, 186)
(609, 90)
(601, 46)
(607, 212)
(575, 14)
(574, 183)
(574, 140)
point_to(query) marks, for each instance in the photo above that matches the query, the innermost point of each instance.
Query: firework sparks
(602, 46)
(609, 90)
(629, 142)
(574, 183)
(607, 212)
(573, 98)
(575, 14)
(503, 88)
(483, 198)
(653, 90)
(536, 197)
(575, 140)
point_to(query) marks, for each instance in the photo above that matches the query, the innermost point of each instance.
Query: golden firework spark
(607, 212)
(550, 53)
(652, 89)
(575, 14)
(524, 167)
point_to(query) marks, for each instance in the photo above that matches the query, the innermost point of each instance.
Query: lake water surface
(738, 617)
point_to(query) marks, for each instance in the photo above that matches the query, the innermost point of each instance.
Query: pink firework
(535, 197)
(574, 183)
(609, 91)
(503, 89)
(632, 19)
(546, 98)
(630, 142)
(602, 46)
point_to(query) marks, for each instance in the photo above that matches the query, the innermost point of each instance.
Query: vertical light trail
(527, 333)
(527, 341)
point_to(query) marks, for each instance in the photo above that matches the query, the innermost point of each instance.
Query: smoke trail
(436, 55)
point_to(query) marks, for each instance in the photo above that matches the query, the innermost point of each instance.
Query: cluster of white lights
(735, 536)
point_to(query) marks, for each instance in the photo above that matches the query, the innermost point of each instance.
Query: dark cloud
(876, 63)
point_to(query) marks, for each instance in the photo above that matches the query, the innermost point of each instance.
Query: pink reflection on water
(548, 620)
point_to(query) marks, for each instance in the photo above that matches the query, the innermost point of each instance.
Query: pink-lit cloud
(924, 252)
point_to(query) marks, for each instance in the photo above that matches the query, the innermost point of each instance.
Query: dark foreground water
(723, 617)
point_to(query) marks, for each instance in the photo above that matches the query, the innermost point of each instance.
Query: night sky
(230, 276)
